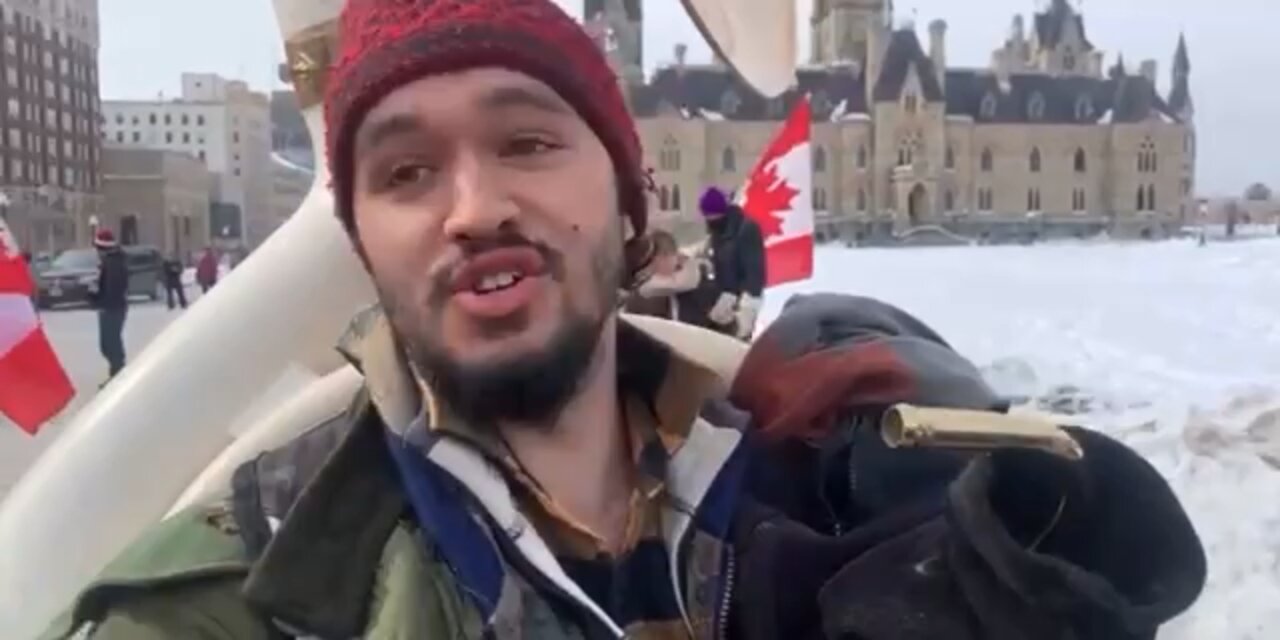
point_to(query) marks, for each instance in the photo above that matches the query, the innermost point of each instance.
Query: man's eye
(527, 146)
(408, 174)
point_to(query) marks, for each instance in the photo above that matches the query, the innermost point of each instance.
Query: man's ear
(637, 257)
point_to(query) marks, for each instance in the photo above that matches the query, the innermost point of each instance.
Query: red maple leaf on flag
(766, 198)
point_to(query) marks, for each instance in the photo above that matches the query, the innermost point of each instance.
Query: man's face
(486, 211)
(666, 263)
(715, 222)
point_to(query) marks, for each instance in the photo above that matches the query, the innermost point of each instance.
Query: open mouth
(499, 282)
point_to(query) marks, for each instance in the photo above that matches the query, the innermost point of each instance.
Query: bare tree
(1257, 192)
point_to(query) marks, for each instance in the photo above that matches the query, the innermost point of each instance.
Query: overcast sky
(1235, 55)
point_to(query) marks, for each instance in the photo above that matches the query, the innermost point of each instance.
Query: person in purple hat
(735, 250)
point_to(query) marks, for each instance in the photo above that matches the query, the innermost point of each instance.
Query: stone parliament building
(1045, 142)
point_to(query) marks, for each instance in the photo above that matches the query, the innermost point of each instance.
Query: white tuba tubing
(757, 38)
(133, 450)
(321, 400)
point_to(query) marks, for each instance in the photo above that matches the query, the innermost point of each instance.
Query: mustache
(468, 248)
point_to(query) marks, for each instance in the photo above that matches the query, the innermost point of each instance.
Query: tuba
(168, 431)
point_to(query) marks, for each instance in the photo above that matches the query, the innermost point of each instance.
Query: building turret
(1180, 92)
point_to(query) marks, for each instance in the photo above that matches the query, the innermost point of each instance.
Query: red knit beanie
(386, 44)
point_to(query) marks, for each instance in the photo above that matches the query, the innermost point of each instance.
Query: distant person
(173, 288)
(207, 270)
(111, 298)
(670, 276)
(735, 249)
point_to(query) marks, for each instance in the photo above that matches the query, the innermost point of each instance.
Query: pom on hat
(104, 239)
(386, 44)
(713, 202)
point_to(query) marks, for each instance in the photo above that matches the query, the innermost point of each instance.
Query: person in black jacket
(173, 282)
(735, 250)
(111, 298)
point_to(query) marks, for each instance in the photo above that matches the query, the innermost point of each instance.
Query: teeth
(497, 281)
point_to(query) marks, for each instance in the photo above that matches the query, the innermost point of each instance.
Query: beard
(530, 387)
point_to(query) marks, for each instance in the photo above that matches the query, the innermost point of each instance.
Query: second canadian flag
(778, 196)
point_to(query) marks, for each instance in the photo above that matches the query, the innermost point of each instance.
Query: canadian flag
(778, 196)
(33, 385)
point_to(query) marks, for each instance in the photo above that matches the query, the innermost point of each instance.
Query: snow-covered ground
(1172, 347)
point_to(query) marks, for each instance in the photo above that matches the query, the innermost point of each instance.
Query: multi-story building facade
(157, 197)
(221, 122)
(1044, 141)
(50, 185)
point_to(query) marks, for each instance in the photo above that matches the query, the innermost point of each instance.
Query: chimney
(938, 50)
(1018, 32)
(1000, 65)
(876, 41)
(1148, 71)
(682, 54)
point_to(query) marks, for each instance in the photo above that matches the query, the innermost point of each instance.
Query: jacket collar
(320, 567)
(317, 572)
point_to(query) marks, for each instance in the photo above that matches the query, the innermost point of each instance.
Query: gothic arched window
(675, 197)
(728, 160)
(819, 159)
(1034, 160)
(1151, 197)
(1081, 162)
(664, 199)
(862, 199)
(1084, 108)
(730, 103)
(819, 199)
(1147, 162)
(669, 155)
(986, 160)
(949, 160)
(1035, 108)
(821, 102)
(989, 106)
(861, 159)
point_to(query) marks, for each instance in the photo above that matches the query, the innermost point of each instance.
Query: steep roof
(1180, 93)
(590, 8)
(705, 89)
(1181, 61)
(1051, 24)
(1065, 100)
(903, 53)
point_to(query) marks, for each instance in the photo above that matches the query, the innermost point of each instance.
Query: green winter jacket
(317, 540)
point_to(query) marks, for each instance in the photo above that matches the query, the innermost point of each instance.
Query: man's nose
(480, 204)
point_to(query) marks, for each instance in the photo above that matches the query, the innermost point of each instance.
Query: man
(207, 270)
(173, 288)
(520, 453)
(735, 249)
(111, 297)
(523, 463)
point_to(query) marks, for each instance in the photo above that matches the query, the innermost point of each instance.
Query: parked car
(71, 276)
(41, 263)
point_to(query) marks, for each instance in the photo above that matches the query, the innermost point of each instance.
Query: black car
(74, 273)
